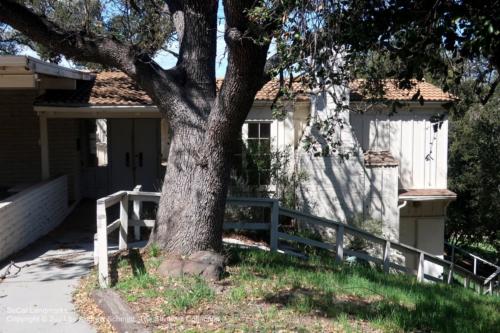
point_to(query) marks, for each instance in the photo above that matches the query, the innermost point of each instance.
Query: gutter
(93, 111)
(427, 198)
(26, 64)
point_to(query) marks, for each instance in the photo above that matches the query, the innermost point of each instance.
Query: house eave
(406, 104)
(268, 103)
(427, 197)
(116, 111)
(98, 111)
(21, 65)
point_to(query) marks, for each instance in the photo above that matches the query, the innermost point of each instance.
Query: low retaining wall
(31, 214)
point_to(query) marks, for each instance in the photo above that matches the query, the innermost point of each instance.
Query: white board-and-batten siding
(345, 189)
(409, 136)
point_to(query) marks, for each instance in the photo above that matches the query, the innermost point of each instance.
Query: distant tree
(318, 40)
(474, 170)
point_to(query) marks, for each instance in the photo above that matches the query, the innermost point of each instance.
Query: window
(256, 155)
(94, 143)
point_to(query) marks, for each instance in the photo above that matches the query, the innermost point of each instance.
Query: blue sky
(166, 60)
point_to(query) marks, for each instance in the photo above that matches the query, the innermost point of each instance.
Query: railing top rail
(146, 194)
(251, 199)
(472, 255)
(394, 244)
(259, 202)
(357, 230)
(492, 276)
(267, 202)
(248, 200)
(112, 199)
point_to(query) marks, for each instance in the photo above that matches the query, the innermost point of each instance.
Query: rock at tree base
(209, 265)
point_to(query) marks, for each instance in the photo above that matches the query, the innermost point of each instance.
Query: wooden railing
(277, 236)
(476, 260)
(494, 270)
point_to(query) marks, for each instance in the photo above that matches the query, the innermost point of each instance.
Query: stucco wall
(334, 188)
(32, 213)
(19, 138)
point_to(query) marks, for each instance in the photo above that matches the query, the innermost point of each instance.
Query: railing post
(340, 243)
(452, 253)
(137, 207)
(96, 247)
(275, 216)
(387, 253)
(102, 244)
(421, 267)
(466, 281)
(122, 241)
(475, 266)
(450, 273)
(137, 216)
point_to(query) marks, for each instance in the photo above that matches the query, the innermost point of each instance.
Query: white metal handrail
(474, 257)
(489, 282)
(342, 230)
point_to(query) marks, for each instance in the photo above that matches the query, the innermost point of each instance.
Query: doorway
(134, 154)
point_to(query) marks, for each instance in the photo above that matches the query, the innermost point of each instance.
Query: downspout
(405, 202)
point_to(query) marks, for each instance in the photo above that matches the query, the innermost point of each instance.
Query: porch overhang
(426, 195)
(21, 65)
(22, 72)
(98, 112)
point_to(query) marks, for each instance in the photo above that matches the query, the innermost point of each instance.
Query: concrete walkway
(38, 298)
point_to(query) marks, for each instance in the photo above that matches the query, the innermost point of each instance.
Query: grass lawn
(265, 292)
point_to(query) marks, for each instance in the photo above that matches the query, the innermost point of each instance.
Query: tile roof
(428, 91)
(108, 88)
(380, 159)
(426, 193)
(116, 88)
(270, 90)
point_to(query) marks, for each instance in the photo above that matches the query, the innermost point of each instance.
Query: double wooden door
(134, 154)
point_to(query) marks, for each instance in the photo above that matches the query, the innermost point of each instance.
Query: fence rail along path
(277, 236)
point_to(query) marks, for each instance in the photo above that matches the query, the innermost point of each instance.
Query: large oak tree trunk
(205, 123)
(205, 130)
(193, 197)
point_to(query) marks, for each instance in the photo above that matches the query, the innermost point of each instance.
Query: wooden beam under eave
(44, 148)
(18, 81)
(47, 82)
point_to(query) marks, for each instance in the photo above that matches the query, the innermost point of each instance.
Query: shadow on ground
(395, 301)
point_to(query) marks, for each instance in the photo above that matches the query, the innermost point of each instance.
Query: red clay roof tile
(428, 91)
(116, 88)
(380, 159)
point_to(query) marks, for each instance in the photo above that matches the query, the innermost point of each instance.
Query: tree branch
(162, 86)
(246, 59)
(271, 65)
(77, 45)
(196, 26)
(175, 9)
(491, 91)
